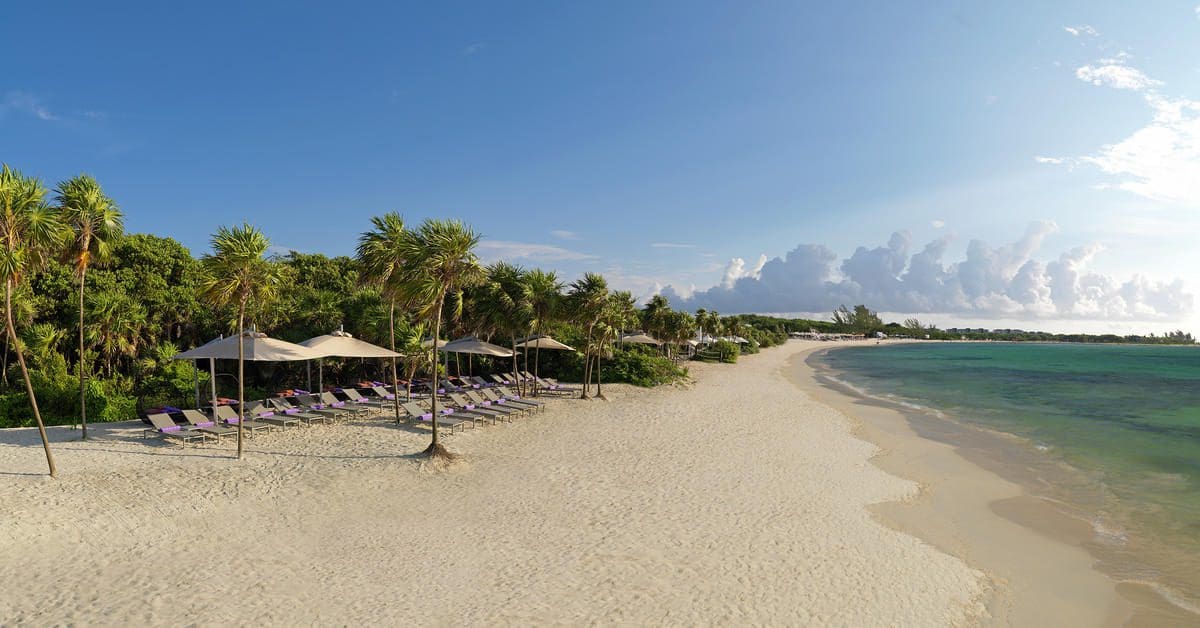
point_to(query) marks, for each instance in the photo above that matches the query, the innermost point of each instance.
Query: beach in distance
(746, 496)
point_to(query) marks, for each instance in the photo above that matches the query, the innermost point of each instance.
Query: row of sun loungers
(465, 409)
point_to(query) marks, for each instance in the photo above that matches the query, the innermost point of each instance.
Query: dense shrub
(640, 369)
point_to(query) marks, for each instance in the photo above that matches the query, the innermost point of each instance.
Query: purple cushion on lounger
(470, 406)
(173, 428)
(448, 411)
(441, 391)
(292, 411)
(204, 424)
(339, 404)
(233, 420)
(428, 416)
(170, 409)
(300, 392)
(267, 414)
(487, 403)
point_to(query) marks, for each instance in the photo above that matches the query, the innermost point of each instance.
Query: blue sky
(658, 143)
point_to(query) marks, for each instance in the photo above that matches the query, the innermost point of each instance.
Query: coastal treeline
(860, 319)
(93, 315)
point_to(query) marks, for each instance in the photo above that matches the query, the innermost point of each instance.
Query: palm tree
(117, 324)
(618, 313)
(41, 339)
(29, 231)
(654, 316)
(586, 300)
(545, 294)
(415, 354)
(701, 320)
(95, 222)
(503, 302)
(440, 261)
(378, 254)
(237, 271)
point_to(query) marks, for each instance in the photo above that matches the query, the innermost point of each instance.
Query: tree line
(93, 315)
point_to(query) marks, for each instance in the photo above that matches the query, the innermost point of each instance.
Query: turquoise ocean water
(1123, 420)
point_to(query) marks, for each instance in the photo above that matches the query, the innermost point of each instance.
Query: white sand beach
(738, 499)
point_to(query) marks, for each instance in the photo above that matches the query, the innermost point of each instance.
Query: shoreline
(974, 478)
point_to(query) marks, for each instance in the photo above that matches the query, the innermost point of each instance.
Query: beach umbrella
(540, 342)
(543, 342)
(341, 344)
(471, 344)
(639, 338)
(257, 347)
(428, 342)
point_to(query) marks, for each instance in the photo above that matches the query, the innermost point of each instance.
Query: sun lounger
(283, 406)
(466, 406)
(165, 427)
(201, 423)
(353, 396)
(382, 393)
(487, 404)
(226, 414)
(311, 404)
(452, 420)
(510, 399)
(329, 400)
(267, 414)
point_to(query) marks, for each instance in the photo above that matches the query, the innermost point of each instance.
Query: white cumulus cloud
(1082, 29)
(1008, 281)
(1116, 75)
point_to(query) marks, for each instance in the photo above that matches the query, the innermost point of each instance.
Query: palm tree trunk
(241, 375)
(526, 361)
(82, 375)
(395, 377)
(520, 380)
(587, 363)
(537, 355)
(598, 392)
(435, 446)
(12, 337)
(4, 365)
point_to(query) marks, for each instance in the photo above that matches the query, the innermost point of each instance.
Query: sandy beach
(745, 497)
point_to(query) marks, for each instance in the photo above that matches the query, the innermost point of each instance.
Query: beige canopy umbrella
(471, 344)
(543, 342)
(540, 342)
(639, 338)
(341, 344)
(257, 347)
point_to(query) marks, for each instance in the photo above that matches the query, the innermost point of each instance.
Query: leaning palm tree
(237, 272)
(440, 261)
(545, 294)
(587, 299)
(30, 231)
(378, 254)
(95, 222)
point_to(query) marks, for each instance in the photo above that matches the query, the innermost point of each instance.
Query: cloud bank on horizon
(1001, 282)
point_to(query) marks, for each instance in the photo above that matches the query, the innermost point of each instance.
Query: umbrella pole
(212, 369)
(320, 376)
(308, 375)
(196, 377)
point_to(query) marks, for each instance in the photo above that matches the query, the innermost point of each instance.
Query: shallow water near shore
(1106, 436)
